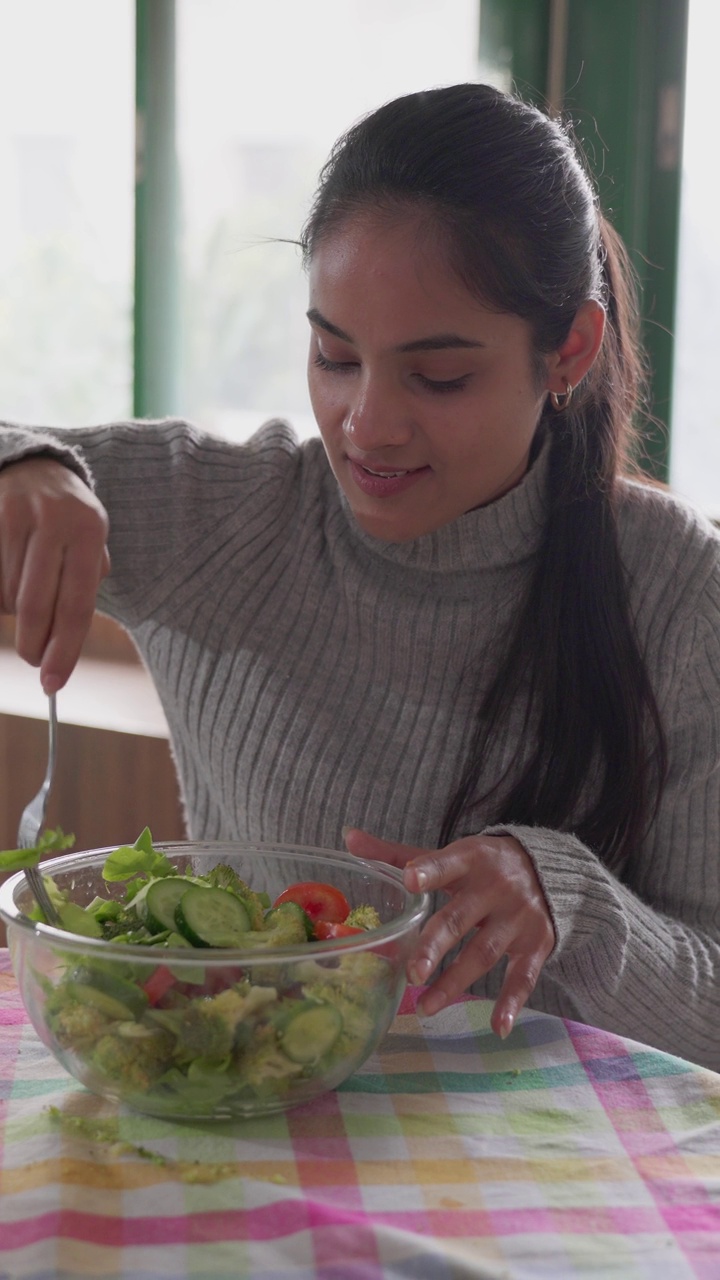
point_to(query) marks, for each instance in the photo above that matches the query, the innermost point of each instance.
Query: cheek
(327, 399)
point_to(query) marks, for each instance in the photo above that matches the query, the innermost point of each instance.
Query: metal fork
(33, 819)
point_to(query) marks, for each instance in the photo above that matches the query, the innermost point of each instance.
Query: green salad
(195, 1038)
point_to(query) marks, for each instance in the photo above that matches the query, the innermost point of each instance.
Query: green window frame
(156, 307)
(617, 69)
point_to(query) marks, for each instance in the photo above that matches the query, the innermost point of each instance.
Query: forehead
(389, 274)
(381, 258)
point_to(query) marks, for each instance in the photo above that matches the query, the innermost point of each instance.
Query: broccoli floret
(360, 975)
(363, 972)
(203, 1033)
(284, 926)
(364, 917)
(206, 1028)
(223, 877)
(134, 1059)
(263, 1066)
(238, 1003)
(75, 1025)
(123, 924)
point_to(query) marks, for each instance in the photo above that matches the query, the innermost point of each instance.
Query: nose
(377, 417)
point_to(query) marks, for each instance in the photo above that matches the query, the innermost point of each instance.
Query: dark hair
(519, 222)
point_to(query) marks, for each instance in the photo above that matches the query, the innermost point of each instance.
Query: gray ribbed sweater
(313, 676)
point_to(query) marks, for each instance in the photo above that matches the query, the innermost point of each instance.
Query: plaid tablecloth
(563, 1152)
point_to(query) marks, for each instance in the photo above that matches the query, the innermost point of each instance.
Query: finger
(36, 596)
(445, 930)
(12, 557)
(363, 845)
(82, 571)
(432, 869)
(521, 976)
(483, 949)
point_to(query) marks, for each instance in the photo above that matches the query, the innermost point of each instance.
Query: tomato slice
(318, 901)
(331, 929)
(159, 983)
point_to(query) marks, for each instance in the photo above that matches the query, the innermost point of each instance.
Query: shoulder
(664, 539)
(671, 555)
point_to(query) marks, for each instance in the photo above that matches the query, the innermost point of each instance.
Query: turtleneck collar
(503, 533)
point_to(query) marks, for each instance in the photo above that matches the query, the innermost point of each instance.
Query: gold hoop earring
(561, 400)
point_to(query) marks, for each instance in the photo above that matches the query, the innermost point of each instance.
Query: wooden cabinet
(108, 784)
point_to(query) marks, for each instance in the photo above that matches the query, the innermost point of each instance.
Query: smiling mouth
(387, 475)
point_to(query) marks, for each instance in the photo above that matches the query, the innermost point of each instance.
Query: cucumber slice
(112, 996)
(311, 1033)
(160, 903)
(211, 917)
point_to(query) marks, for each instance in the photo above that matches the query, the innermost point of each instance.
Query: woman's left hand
(495, 898)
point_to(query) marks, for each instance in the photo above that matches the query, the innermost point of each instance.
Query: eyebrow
(434, 342)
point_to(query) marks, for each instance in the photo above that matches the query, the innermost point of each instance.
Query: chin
(388, 529)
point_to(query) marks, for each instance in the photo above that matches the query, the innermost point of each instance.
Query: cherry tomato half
(318, 901)
(159, 983)
(329, 929)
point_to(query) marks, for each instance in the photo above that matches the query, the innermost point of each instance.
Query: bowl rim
(415, 911)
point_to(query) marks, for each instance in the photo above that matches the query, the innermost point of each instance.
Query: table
(563, 1152)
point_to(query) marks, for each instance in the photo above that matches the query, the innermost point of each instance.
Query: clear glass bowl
(102, 1007)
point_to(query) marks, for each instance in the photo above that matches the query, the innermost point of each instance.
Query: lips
(382, 482)
(386, 474)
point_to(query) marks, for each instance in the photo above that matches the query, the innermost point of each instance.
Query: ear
(576, 355)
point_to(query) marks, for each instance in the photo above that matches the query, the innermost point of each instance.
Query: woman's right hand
(53, 556)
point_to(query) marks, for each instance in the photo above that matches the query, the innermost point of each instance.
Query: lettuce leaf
(137, 859)
(51, 841)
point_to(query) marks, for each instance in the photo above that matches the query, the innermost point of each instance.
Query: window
(695, 446)
(66, 214)
(263, 92)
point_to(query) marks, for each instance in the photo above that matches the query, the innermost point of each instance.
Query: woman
(467, 644)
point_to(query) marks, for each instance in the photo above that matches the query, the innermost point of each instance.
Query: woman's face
(427, 402)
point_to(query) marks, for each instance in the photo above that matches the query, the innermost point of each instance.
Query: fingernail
(345, 831)
(421, 877)
(420, 970)
(506, 1025)
(51, 684)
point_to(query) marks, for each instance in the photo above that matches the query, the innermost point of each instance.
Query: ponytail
(590, 701)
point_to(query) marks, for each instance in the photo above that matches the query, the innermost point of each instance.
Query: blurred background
(157, 155)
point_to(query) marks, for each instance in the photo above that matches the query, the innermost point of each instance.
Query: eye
(334, 366)
(444, 387)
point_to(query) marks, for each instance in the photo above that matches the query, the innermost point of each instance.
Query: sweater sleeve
(174, 496)
(18, 442)
(641, 956)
